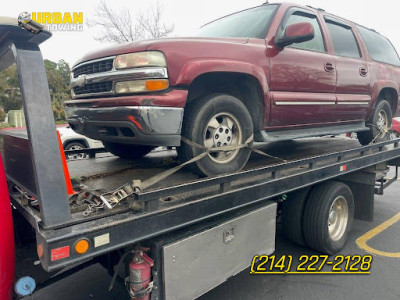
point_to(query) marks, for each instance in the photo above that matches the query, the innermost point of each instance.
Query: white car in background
(74, 141)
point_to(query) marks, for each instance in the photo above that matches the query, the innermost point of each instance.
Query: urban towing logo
(52, 21)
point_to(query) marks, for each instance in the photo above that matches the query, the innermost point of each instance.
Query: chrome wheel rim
(76, 155)
(222, 129)
(338, 218)
(383, 123)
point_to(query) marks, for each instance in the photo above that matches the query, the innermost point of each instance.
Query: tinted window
(317, 43)
(379, 47)
(343, 40)
(251, 23)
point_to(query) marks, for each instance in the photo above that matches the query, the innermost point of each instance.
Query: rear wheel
(328, 217)
(214, 121)
(127, 151)
(292, 216)
(75, 146)
(380, 124)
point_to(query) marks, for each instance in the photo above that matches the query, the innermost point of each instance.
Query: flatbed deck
(109, 172)
(183, 199)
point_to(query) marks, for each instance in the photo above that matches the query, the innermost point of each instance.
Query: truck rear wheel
(328, 217)
(214, 121)
(127, 151)
(292, 216)
(380, 124)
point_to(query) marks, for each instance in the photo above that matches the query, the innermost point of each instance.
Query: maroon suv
(277, 71)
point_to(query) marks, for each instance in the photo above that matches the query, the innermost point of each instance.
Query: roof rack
(316, 8)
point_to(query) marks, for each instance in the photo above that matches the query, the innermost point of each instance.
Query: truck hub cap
(382, 124)
(223, 129)
(337, 218)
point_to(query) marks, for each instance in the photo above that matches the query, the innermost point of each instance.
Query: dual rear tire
(320, 217)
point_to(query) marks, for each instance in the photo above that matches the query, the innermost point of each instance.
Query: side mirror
(295, 33)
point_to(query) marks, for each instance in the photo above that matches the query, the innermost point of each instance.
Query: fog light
(81, 246)
(138, 86)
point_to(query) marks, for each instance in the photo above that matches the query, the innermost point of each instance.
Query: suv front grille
(94, 67)
(91, 88)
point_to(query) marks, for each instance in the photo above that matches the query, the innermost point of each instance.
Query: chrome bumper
(142, 125)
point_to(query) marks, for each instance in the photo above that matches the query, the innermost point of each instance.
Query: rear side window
(344, 42)
(379, 47)
(317, 43)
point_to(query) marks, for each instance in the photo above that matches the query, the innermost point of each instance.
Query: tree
(119, 27)
(58, 76)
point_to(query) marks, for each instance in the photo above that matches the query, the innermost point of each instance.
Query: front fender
(194, 68)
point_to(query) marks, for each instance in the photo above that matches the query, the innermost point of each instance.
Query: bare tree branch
(119, 27)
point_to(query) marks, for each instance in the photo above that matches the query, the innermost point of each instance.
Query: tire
(317, 214)
(292, 216)
(75, 146)
(128, 151)
(366, 137)
(204, 119)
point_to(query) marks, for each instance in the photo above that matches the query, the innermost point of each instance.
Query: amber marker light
(81, 246)
(156, 85)
(40, 250)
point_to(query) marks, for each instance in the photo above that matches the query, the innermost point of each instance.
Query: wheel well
(390, 94)
(242, 86)
(82, 141)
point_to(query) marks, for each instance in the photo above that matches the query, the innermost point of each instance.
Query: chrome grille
(94, 67)
(99, 87)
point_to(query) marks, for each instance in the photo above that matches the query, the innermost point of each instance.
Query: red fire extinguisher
(140, 284)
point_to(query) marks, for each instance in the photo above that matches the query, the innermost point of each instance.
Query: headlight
(140, 59)
(137, 86)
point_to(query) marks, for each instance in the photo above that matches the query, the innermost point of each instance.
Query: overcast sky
(188, 15)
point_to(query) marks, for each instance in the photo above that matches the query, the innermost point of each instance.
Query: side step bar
(292, 134)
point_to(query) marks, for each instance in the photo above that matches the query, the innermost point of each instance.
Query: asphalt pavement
(382, 283)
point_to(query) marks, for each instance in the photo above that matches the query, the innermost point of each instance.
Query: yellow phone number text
(311, 264)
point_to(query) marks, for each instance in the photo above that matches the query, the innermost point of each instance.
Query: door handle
(363, 71)
(329, 67)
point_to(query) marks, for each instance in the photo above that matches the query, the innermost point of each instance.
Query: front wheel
(214, 121)
(127, 151)
(380, 124)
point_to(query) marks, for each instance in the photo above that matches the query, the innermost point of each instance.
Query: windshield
(251, 23)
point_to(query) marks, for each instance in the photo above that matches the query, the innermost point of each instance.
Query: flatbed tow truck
(175, 240)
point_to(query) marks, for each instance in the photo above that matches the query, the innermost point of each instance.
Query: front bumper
(141, 125)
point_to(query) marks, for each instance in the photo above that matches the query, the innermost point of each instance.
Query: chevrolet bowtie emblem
(81, 80)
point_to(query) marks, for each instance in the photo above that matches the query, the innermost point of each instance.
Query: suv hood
(155, 44)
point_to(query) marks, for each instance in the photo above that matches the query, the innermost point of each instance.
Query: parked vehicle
(278, 71)
(74, 141)
(395, 133)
